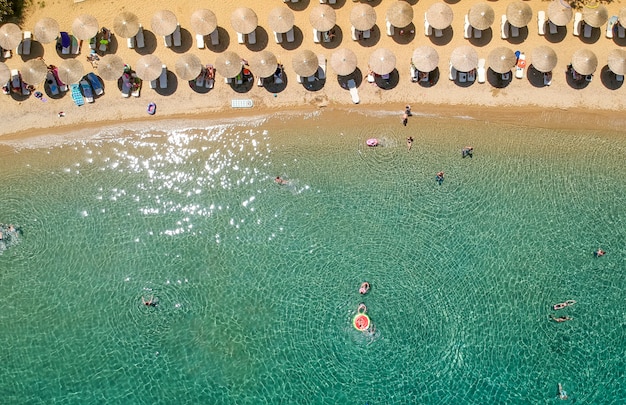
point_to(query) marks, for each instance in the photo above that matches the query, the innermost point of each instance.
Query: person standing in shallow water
(409, 142)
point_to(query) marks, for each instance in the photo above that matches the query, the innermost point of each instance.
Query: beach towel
(76, 95)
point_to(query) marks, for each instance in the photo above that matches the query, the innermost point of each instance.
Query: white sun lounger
(514, 31)
(547, 79)
(298, 78)
(610, 26)
(521, 64)
(390, 31)
(587, 30)
(139, 39)
(354, 92)
(259, 82)
(278, 37)
(354, 37)
(130, 42)
(367, 34)
(619, 78)
(252, 38)
(480, 71)
(541, 22)
(290, 35)
(467, 28)
(176, 36)
(471, 75)
(167, 41)
(75, 45)
(163, 77)
(553, 29)
(316, 36)
(452, 75)
(428, 30)
(321, 71)
(477, 33)
(215, 37)
(462, 77)
(200, 41)
(52, 83)
(506, 76)
(200, 78)
(578, 19)
(621, 32)
(24, 47)
(504, 27)
(414, 74)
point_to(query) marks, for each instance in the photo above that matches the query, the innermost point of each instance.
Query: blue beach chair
(95, 83)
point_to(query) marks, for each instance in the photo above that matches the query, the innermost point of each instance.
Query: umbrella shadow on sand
(433, 79)
(186, 41)
(609, 79)
(535, 77)
(496, 80)
(262, 39)
(271, 86)
(389, 83)
(357, 76)
(172, 85)
(150, 43)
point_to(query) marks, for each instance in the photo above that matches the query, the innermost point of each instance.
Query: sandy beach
(558, 105)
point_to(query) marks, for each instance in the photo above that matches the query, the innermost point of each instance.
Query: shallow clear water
(257, 283)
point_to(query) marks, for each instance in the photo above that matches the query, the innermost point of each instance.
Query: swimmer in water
(599, 253)
(560, 318)
(409, 142)
(150, 303)
(279, 180)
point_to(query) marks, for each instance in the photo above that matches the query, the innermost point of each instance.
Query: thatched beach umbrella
(244, 20)
(188, 66)
(584, 61)
(622, 17)
(464, 58)
(110, 67)
(10, 36)
(34, 71)
(228, 64)
(263, 64)
(363, 17)
(382, 61)
(518, 14)
(502, 59)
(85, 27)
(71, 71)
(343, 61)
(305, 63)
(163, 23)
(439, 16)
(323, 17)
(543, 58)
(280, 19)
(5, 73)
(559, 14)
(597, 16)
(617, 61)
(481, 16)
(126, 24)
(203, 21)
(425, 58)
(400, 14)
(148, 68)
(46, 30)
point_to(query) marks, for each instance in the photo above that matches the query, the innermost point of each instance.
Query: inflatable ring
(361, 309)
(372, 142)
(593, 5)
(361, 322)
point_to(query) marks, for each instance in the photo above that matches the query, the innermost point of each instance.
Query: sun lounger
(239, 79)
(366, 34)
(215, 37)
(553, 28)
(290, 35)
(467, 33)
(26, 91)
(477, 33)
(504, 27)
(452, 75)
(75, 45)
(610, 26)
(126, 85)
(619, 78)
(24, 47)
(87, 92)
(578, 19)
(332, 1)
(106, 40)
(76, 95)
(541, 22)
(200, 41)
(414, 74)
(163, 77)
(298, 78)
(354, 92)
(136, 86)
(547, 78)
(66, 43)
(200, 78)
(95, 83)
(462, 77)
(259, 82)
(6, 53)
(176, 36)
(62, 86)
(167, 40)
(506, 76)
(16, 81)
(139, 39)
(389, 28)
(209, 81)
(371, 78)
(587, 30)
(92, 42)
(278, 37)
(621, 32)
(240, 38)
(471, 75)
(519, 67)
(252, 38)
(514, 31)
(130, 42)
(316, 36)
(428, 30)
(52, 84)
(480, 71)
(321, 71)
(354, 34)
(589, 78)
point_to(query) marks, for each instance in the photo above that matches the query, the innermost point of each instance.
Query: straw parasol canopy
(382, 61)
(34, 71)
(228, 64)
(559, 14)
(464, 58)
(425, 58)
(163, 23)
(10, 36)
(518, 14)
(622, 17)
(71, 71)
(502, 59)
(126, 24)
(148, 67)
(5, 73)
(323, 17)
(400, 14)
(263, 63)
(46, 30)
(481, 16)
(543, 58)
(85, 27)
(617, 61)
(343, 61)
(110, 67)
(439, 16)
(280, 19)
(363, 17)
(305, 63)
(203, 21)
(188, 66)
(244, 20)
(596, 17)
(584, 61)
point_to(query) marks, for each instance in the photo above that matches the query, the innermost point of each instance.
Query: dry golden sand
(559, 105)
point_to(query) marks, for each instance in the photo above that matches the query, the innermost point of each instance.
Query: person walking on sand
(409, 142)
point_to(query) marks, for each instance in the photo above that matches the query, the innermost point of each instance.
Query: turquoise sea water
(257, 283)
